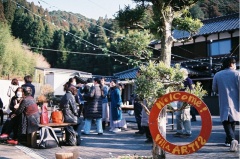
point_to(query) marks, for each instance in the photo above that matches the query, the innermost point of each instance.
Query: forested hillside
(72, 41)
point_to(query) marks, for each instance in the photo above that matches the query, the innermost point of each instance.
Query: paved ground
(125, 143)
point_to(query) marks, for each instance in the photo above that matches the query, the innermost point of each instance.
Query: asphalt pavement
(128, 145)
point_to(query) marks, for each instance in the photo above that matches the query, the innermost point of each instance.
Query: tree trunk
(166, 47)
(167, 39)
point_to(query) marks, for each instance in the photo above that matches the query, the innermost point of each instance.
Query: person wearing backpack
(70, 114)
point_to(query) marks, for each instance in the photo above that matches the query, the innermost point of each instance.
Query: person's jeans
(88, 123)
(229, 128)
(183, 119)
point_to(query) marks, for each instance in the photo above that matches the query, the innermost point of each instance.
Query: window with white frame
(220, 47)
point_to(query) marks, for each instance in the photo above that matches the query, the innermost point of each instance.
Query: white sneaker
(227, 144)
(234, 146)
(116, 130)
(111, 129)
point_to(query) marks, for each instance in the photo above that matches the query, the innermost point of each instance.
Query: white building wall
(224, 35)
(57, 80)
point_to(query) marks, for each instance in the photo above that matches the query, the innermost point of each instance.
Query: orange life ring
(203, 111)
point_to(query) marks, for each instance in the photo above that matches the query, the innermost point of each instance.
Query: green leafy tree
(47, 36)
(214, 8)
(134, 43)
(196, 12)
(9, 10)
(13, 60)
(18, 24)
(25, 32)
(36, 31)
(57, 59)
(165, 15)
(73, 44)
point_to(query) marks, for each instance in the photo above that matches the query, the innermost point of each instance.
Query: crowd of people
(101, 104)
(24, 116)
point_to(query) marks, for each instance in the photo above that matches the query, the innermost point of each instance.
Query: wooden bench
(32, 138)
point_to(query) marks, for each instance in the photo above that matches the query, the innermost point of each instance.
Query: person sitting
(69, 109)
(27, 113)
(11, 124)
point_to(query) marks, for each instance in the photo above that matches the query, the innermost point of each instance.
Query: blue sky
(89, 8)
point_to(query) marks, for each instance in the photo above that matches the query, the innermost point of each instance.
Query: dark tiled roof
(131, 73)
(213, 25)
(128, 74)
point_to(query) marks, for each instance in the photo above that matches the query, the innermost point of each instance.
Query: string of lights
(108, 29)
(71, 52)
(69, 33)
(93, 23)
(187, 60)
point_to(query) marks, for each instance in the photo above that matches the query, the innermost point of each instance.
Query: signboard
(203, 112)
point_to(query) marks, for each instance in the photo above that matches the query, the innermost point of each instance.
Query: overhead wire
(124, 56)
(93, 23)
(95, 46)
(113, 31)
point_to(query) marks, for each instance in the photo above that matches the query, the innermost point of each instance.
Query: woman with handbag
(70, 115)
